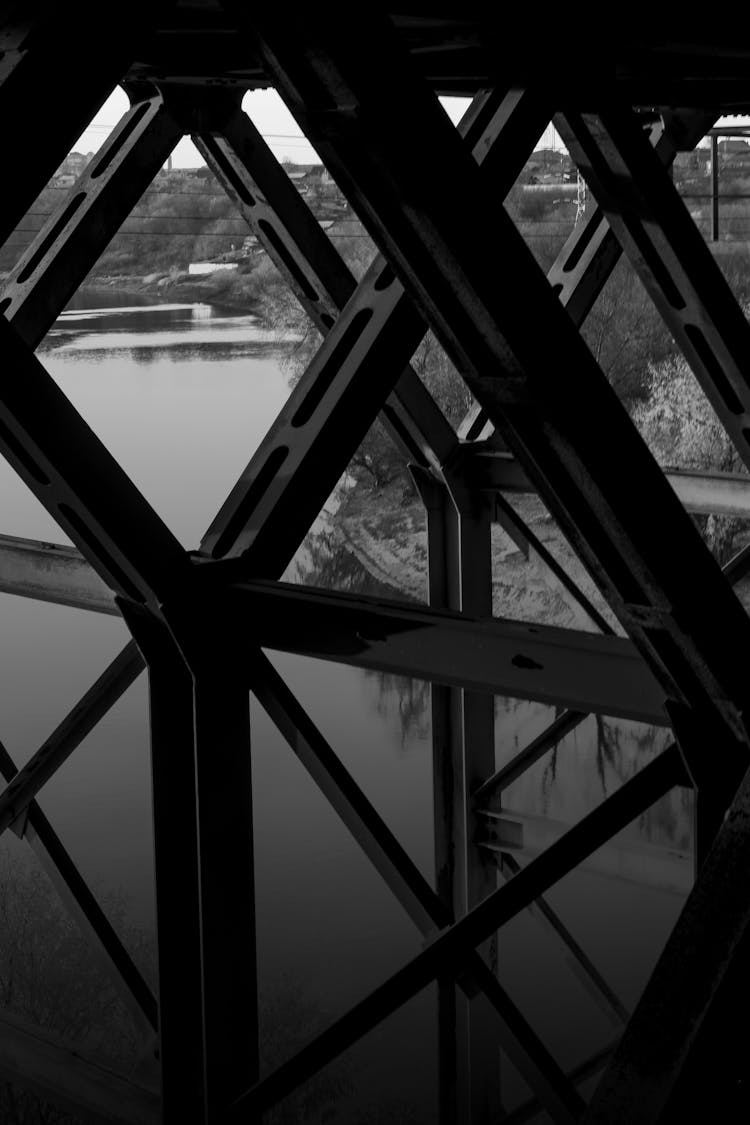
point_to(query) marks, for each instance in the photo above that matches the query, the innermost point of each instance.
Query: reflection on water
(182, 394)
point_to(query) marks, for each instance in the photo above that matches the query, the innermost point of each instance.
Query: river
(181, 395)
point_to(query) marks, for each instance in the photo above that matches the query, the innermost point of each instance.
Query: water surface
(182, 394)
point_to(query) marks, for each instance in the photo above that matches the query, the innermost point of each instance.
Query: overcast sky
(277, 125)
(269, 115)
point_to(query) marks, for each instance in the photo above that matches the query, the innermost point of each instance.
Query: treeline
(181, 218)
(627, 337)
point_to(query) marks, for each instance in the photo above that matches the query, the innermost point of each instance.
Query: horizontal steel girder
(722, 494)
(581, 670)
(52, 572)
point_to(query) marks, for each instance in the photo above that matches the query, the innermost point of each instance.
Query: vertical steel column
(714, 188)
(200, 733)
(463, 735)
(176, 869)
(223, 789)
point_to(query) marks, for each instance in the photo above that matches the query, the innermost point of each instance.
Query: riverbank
(225, 288)
(389, 537)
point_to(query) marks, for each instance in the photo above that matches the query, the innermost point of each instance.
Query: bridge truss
(363, 85)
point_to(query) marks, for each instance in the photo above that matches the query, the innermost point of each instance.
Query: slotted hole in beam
(385, 278)
(9, 439)
(655, 265)
(714, 368)
(584, 241)
(75, 521)
(120, 140)
(57, 227)
(288, 259)
(326, 376)
(244, 510)
(228, 171)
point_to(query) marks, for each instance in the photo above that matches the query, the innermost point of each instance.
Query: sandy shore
(390, 540)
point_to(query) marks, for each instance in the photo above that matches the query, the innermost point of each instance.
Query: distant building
(71, 168)
(210, 267)
(734, 153)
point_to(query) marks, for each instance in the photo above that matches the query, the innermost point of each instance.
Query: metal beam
(52, 572)
(703, 492)
(275, 501)
(645, 559)
(448, 951)
(48, 47)
(24, 785)
(60, 1074)
(528, 1110)
(296, 466)
(316, 273)
(489, 793)
(33, 826)
(579, 960)
(670, 255)
(72, 240)
(500, 1018)
(378, 843)
(583, 670)
(80, 483)
(463, 748)
(181, 1053)
(216, 712)
(585, 263)
(698, 954)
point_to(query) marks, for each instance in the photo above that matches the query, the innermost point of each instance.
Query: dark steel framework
(363, 88)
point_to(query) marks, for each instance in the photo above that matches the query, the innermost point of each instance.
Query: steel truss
(199, 620)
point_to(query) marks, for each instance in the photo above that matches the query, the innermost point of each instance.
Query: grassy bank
(233, 290)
